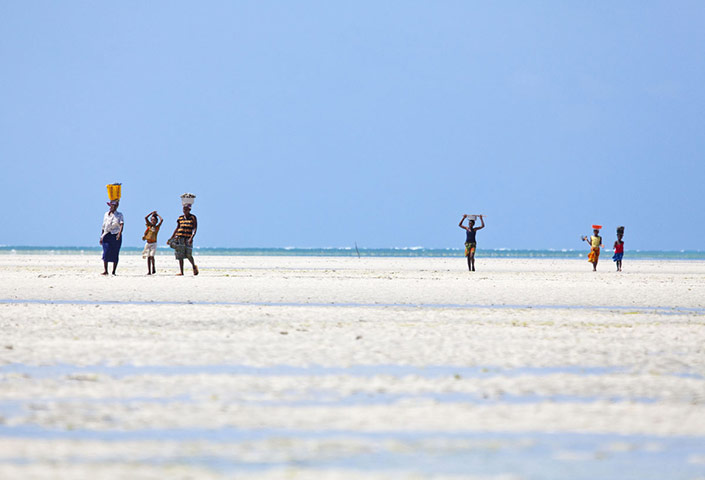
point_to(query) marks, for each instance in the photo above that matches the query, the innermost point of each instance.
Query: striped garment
(186, 225)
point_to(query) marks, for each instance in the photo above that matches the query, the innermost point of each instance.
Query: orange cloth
(151, 233)
(594, 254)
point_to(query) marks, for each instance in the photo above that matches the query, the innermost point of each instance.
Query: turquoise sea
(366, 252)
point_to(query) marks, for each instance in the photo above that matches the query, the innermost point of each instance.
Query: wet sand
(329, 367)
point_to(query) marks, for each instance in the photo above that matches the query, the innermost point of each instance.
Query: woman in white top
(111, 235)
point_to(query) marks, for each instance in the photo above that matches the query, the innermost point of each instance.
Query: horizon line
(345, 248)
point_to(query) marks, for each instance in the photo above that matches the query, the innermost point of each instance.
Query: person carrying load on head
(182, 238)
(470, 238)
(595, 242)
(619, 248)
(111, 231)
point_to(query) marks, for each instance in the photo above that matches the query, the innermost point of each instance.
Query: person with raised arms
(470, 238)
(150, 236)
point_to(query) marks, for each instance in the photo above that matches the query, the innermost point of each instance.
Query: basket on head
(187, 199)
(114, 191)
(472, 218)
(597, 227)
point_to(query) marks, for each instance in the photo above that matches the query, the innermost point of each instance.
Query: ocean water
(366, 252)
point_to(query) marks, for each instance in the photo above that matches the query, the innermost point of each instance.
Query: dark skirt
(111, 248)
(183, 250)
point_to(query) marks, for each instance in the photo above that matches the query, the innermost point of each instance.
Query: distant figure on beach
(150, 236)
(470, 240)
(111, 236)
(182, 239)
(595, 242)
(619, 248)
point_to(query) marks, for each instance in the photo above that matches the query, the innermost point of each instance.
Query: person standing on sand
(619, 249)
(595, 243)
(182, 239)
(150, 236)
(111, 236)
(470, 240)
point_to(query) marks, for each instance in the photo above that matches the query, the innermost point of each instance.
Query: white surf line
(455, 306)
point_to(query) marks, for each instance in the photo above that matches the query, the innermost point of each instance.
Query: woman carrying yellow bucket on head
(595, 243)
(114, 191)
(111, 233)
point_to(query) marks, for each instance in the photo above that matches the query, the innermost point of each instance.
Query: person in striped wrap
(182, 239)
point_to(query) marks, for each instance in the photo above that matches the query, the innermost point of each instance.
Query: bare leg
(193, 264)
(181, 267)
(469, 263)
(114, 267)
(105, 271)
(149, 268)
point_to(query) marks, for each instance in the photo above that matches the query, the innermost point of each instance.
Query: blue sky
(319, 123)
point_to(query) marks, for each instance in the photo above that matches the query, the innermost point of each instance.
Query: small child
(619, 249)
(150, 235)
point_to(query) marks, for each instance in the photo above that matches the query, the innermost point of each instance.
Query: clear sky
(324, 123)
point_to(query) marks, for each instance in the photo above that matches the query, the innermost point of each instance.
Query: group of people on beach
(595, 242)
(181, 240)
(187, 224)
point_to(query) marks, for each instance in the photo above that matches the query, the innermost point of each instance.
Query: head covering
(114, 202)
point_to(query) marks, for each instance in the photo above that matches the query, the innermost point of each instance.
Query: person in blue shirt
(470, 240)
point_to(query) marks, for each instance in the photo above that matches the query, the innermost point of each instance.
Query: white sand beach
(331, 367)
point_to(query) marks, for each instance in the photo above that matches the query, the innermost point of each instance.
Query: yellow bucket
(114, 191)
